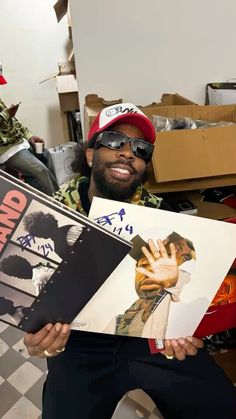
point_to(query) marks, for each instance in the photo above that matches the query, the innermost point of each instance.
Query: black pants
(91, 376)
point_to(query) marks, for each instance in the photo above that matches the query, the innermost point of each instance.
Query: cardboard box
(196, 153)
(170, 99)
(66, 67)
(188, 184)
(60, 8)
(68, 92)
(222, 93)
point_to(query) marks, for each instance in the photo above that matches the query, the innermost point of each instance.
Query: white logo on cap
(112, 112)
(118, 109)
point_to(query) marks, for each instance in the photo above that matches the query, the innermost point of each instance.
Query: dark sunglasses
(116, 141)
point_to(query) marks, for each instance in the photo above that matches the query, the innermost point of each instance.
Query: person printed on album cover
(20, 267)
(16, 313)
(158, 281)
(45, 225)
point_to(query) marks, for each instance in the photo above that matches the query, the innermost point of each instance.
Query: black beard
(116, 190)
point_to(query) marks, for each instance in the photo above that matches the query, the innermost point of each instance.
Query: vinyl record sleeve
(207, 249)
(51, 275)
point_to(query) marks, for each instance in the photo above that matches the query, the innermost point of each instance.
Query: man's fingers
(153, 248)
(34, 339)
(179, 352)
(180, 348)
(198, 343)
(147, 254)
(162, 249)
(59, 342)
(172, 251)
(168, 352)
(49, 340)
(188, 347)
(191, 345)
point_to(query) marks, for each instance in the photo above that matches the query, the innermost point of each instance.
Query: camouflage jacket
(69, 195)
(12, 132)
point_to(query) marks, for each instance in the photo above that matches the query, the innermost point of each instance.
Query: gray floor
(22, 377)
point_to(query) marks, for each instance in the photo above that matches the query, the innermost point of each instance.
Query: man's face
(183, 251)
(139, 277)
(117, 173)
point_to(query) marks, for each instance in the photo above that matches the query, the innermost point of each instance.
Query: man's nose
(126, 152)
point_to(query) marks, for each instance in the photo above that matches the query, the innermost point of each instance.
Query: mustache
(122, 161)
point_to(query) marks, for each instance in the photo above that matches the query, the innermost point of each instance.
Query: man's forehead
(127, 129)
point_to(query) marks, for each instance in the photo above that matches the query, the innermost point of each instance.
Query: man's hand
(13, 109)
(164, 269)
(35, 139)
(180, 348)
(50, 338)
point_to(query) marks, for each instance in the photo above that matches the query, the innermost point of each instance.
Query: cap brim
(2, 80)
(139, 121)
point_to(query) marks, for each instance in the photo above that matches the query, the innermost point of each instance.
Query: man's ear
(89, 156)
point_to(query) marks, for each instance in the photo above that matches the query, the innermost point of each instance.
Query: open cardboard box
(67, 89)
(221, 93)
(195, 153)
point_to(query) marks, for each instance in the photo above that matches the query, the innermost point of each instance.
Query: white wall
(32, 43)
(139, 49)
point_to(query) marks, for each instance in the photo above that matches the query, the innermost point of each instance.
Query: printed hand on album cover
(162, 271)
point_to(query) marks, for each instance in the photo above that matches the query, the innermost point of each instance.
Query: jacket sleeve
(9, 126)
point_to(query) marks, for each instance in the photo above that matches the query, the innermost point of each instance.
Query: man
(17, 266)
(93, 371)
(158, 281)
(15, 143)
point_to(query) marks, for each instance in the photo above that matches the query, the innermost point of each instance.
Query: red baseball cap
(2, 79)
(123, 113)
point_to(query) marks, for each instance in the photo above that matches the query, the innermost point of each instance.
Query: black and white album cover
(52, 259)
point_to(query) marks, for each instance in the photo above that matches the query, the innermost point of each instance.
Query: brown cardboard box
(198, 153)
(66, 67)
(170, 99)
(60, 8)
(68, 92)
(175, 99)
